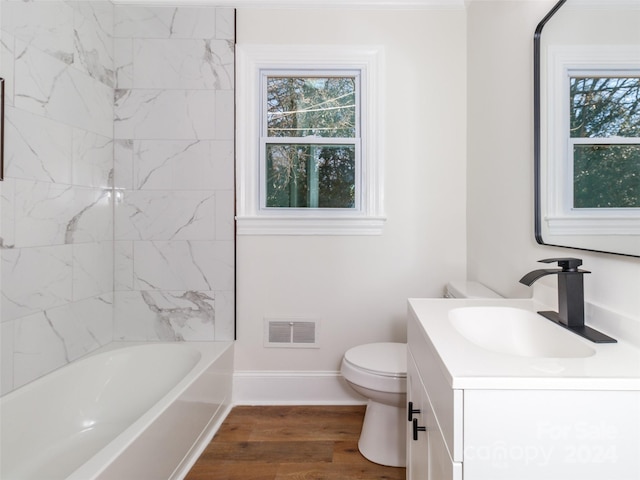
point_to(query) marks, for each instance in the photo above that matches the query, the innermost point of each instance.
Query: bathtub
(125, 412)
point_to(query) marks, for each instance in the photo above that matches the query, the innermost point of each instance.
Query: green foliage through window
(605, 133)
(313, 176)
(606, 176)
(310, 141)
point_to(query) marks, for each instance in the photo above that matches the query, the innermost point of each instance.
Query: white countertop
(614, 366)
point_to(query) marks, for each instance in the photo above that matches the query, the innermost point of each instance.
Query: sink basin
(514, 331)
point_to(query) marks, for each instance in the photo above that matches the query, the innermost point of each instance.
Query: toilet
(378, 371)
(468, 289)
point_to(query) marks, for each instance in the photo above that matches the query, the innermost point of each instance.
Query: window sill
(286, 225)
(594, 225)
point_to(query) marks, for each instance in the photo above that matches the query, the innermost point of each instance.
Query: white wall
(501, 245)
(358, 286)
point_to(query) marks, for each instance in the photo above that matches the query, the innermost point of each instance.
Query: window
(604, 140)
(308, 142)
(593, 141)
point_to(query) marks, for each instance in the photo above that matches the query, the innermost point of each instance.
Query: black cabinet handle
(412, 411)
(417, 429)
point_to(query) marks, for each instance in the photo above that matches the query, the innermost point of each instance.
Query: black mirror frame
(537, 112)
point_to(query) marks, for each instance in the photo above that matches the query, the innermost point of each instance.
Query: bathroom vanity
(516, 397)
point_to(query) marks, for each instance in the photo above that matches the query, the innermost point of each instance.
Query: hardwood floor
(292, 443)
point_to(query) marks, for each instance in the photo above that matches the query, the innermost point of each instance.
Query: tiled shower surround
(117, 204)
(173, 134)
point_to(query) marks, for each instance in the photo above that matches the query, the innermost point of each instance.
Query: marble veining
(57, 335)
(49, 339)
(7, 42)
(123, 62)
(172, 319)
(183, 63)
(53, 89)
(7, 219)
(92, 269)
(72, 226)
(34, 279)
(167, 22)
(175, 265)
(91, 159)
(171, 114)
(152, 315)
(40, 148)
(53, 214)
(47, 26)
(219, 59)
(93, 39)
(123, 163)
(182, 164)
(156, 165)
(166, 215)
(37, 349)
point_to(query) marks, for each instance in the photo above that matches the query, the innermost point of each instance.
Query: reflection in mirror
(587, 126)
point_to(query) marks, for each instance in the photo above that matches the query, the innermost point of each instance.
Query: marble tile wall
(173, 129)
(56, 228)
(119, 125)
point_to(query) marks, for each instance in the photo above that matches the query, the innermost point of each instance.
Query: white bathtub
(126, 412)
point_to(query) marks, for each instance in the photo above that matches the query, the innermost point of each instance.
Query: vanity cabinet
(504, 432)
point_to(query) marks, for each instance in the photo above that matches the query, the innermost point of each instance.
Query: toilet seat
(378, 366)
(385, 359)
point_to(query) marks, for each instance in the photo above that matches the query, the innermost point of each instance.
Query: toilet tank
(468, 289)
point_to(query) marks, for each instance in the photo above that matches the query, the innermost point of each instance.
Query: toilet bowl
(378, 371)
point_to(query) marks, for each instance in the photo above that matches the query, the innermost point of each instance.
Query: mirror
(587, 126)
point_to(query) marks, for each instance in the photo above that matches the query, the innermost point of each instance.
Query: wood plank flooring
(290, 443)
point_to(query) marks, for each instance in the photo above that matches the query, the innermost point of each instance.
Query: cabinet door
(417, 450)
(427, 455)
(440, 466)
(551, 434)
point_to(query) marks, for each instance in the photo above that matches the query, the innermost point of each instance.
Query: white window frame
(251, 218)
(561, 217)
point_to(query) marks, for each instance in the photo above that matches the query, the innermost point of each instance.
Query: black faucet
(570, 314)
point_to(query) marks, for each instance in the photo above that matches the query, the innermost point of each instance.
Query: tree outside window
(311, 140)
(605, 140)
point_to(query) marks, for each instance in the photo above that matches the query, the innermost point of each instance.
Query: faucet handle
(567, 264)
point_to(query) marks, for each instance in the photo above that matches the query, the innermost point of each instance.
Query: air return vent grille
(291, 333)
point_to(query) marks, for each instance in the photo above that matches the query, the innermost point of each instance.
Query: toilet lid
(387, 359)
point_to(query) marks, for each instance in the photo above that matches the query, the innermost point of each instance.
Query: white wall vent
(291, 333)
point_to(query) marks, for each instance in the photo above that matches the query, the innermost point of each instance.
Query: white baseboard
(293, 388)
